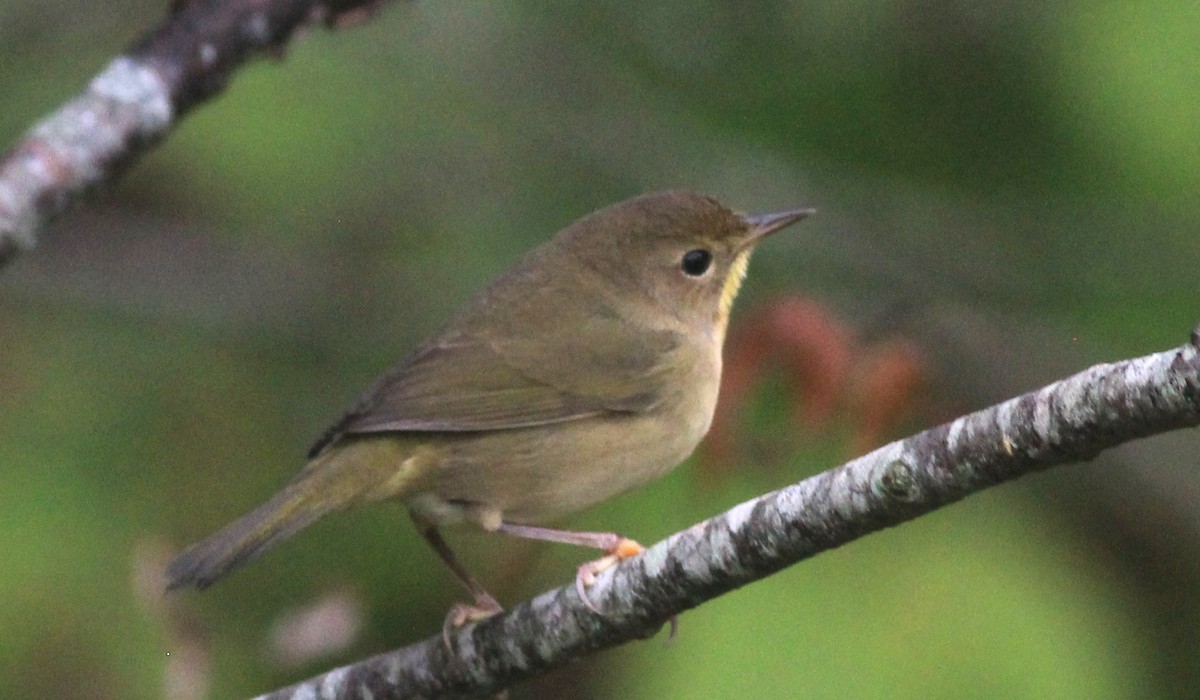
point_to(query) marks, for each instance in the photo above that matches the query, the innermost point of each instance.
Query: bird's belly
(538, 474)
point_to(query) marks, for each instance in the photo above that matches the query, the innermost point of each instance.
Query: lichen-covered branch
(1068, 421)
(139, 97)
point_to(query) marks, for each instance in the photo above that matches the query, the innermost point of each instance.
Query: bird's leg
(614, 546)
(460, 614)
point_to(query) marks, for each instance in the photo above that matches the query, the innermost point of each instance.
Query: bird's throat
(733, 282)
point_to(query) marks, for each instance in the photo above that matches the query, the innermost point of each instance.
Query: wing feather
(475, 383)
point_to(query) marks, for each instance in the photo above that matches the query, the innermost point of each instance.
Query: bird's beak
(763, 225)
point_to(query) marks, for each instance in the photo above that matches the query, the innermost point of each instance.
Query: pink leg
(460, 614)
(614, 546)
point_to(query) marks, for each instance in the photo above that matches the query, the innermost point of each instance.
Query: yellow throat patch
(733, 282)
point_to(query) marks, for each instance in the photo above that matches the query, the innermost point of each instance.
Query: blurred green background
(1010, 187)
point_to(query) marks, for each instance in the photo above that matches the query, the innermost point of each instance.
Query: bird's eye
(696, 262)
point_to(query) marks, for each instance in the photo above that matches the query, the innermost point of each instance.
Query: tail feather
(288, 512)
(351, 472)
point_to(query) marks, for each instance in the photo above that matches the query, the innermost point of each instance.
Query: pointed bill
(763, 225)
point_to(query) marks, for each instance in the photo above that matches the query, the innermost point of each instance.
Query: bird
(589, 368)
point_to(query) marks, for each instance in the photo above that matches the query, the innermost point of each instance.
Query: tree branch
(1071, 420)
(139, 97)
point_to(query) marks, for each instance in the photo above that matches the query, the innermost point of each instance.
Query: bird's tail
(323, 487)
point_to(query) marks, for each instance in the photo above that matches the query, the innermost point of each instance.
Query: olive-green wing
(472, 382)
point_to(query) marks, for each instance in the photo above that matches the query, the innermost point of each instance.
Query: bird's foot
(461, 614)
(623, 549)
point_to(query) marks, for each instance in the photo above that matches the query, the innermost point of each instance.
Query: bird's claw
(462, 613)
(623, 549)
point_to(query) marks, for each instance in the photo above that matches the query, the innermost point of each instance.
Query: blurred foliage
(1010, 185)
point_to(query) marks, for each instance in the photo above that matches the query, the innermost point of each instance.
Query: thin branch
(1069, 421)
(136, 100)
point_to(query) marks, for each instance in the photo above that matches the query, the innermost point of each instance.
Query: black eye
(696, 262)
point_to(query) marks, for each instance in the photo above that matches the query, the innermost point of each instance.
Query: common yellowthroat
(589, 368)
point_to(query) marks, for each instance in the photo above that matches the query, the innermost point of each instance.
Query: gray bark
(1071, 420)
(136, 100)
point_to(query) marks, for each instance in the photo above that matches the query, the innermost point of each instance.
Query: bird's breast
(539, 474)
